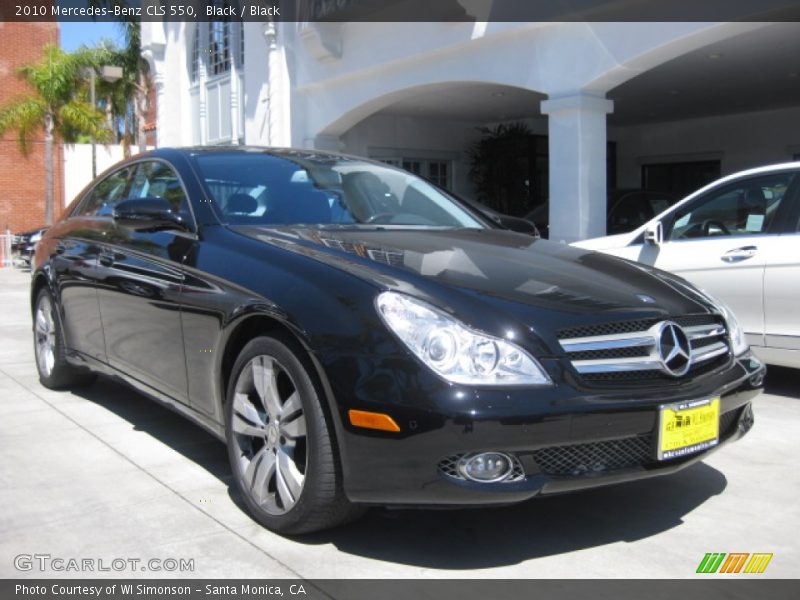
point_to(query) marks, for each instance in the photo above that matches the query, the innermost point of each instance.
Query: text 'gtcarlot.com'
(47, 562)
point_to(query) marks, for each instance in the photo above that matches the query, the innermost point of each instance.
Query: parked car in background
(738, 238)
(357, 337)
(24, 244)
(626, 209)
(518, 224)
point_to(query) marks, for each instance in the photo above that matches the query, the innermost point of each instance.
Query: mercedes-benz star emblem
(673, 349)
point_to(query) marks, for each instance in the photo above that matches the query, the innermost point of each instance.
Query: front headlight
(453, 350)
(739, 343)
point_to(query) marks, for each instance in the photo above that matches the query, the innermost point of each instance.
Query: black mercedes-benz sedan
(357, 336)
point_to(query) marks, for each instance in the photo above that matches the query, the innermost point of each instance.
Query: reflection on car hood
(500, 264)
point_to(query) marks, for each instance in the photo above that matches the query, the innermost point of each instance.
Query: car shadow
(490, 537)
(453, 539)
(158, 421)
(782, 381)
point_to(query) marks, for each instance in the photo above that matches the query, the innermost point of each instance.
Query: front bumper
(568, 439)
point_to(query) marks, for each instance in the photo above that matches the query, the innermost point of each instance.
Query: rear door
(75, 263)
(782, 284)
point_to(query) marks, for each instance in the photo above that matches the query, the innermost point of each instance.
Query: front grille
(627, 351)
(597, 457)
(615, 327)
(625, 453)
(609, 353)
(607, 328)
(655, 376)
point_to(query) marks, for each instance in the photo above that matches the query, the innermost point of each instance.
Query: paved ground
(105, 473)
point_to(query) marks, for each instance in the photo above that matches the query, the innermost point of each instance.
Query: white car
(739, 239)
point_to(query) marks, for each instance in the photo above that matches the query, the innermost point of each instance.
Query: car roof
(278, 152)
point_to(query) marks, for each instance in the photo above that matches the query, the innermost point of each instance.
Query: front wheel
(49, 349)
(279, 443)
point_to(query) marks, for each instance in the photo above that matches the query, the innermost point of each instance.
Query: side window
(103, 197)
(747, 207)
(154, 179)
(631, 211)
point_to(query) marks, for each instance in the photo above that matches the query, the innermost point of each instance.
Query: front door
(139, 288)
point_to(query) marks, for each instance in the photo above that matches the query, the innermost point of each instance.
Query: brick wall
(22, 178)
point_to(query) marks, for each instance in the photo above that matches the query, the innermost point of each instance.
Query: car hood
(492, 265)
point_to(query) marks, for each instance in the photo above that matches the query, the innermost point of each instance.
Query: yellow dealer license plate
(687, 427)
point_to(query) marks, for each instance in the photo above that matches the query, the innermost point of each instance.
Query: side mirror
(148, 214)
(654, 234)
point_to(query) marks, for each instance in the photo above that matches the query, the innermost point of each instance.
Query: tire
(55, 372)
(282, 453)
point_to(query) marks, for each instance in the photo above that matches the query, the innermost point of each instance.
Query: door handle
(106, 259)
(739, 254)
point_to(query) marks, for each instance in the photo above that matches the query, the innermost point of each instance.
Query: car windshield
(256, 188)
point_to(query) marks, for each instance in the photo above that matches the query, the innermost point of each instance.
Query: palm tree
(126, 99)
(135, 82)
(57, 104)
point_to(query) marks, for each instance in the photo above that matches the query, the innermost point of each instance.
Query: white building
(679, 102)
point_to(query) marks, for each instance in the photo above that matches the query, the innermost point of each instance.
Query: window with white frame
(216, 55)
(436, 171)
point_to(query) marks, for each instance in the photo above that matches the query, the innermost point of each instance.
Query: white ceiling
(758, 70)
(471, 102)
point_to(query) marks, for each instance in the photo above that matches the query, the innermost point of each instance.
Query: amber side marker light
(372, 420)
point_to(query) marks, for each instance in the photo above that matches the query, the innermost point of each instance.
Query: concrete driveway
(105, 474)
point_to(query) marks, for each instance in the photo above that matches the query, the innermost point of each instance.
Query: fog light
(486, 467)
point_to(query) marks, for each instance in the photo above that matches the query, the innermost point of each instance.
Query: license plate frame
(698, 421)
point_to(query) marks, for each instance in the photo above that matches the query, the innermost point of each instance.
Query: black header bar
(400, 10)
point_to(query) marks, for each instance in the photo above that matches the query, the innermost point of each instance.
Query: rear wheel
(280, 447)
(49, 349)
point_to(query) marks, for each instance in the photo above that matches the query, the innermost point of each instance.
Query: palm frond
(78, 118)
(25, 115)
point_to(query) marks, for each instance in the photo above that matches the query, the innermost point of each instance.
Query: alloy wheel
(45, 332)
(269, 428)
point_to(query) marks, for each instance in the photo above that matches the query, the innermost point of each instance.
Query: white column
(235, 88)
(577, 144)
(279, 116)
(202, 76)
(161, 102)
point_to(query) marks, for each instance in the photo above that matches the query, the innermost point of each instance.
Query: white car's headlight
(453, 350)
